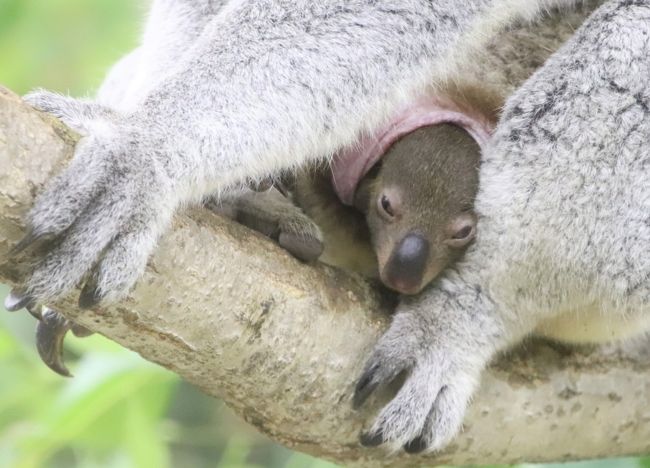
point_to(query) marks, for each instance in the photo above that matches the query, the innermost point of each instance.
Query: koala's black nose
(405, 267)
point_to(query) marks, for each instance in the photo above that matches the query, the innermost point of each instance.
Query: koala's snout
(405, 268)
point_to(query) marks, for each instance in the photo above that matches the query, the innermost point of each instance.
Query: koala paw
(428, 410)
(272, 214)
(97, 222)
(301, 237)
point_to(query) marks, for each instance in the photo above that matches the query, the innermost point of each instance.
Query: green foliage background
(118, 410)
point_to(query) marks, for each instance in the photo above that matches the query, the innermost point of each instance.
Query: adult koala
(564, 203)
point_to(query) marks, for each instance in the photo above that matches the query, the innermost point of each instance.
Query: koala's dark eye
(386, 207)
(463, 233)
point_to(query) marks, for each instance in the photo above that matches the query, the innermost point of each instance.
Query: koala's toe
(48, 101)
(301, 237)
(391, 356)
(445, 420)
(378, 372)
(66, 197)
(403, 419)
(366, 384)
(125, 259)
(68, 261)
(77, 114)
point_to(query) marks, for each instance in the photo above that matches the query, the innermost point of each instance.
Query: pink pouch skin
(352, 163)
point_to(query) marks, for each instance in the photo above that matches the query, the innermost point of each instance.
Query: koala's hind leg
(275, 216)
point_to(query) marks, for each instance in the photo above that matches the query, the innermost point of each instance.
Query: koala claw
(417, 445)
(90, 296)
(369, 439)
(365, 386)
(51, 330)
(50, 333)
(16, 301)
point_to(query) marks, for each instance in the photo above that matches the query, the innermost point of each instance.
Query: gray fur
(268, 85)
(564, 230)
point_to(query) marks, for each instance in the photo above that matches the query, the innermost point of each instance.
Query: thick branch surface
(282, 342)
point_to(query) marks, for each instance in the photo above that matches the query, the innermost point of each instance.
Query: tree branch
(282, 342)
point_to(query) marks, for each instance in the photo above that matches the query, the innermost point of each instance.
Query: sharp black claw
(368, 439)
(89, 296)
(417, 445)
(365, 387)
(17, 300)
(50, 333)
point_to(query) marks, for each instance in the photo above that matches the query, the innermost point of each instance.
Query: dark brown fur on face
(419, 205)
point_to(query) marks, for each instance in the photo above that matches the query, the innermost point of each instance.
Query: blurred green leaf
(93, 410)
(65, 45)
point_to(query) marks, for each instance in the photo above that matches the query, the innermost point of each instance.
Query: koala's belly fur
(486, 82)
(591, 324)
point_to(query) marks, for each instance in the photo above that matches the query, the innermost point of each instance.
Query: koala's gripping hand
(442, 350)
(97, 222)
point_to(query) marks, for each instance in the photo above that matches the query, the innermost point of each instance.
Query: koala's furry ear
(461, 230)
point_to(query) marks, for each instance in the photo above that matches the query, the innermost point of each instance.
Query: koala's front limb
(442, 340)
(267, 85)
(275, 216)
(564, 230)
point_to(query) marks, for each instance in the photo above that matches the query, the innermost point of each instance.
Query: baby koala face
(419, 202)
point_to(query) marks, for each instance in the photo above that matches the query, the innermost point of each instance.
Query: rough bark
(282, 342)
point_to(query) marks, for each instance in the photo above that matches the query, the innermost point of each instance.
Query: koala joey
(270, 85)
(419, 207)
(413, 209)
